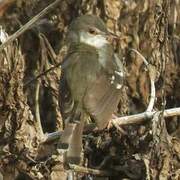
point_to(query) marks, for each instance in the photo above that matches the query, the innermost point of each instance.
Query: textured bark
(147, 151)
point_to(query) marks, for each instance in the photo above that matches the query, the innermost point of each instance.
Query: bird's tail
(71, 140)
(75, 144)
(73, 117)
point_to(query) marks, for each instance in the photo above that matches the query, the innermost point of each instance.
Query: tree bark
(27, 112)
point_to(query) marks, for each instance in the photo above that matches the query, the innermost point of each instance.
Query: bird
(91, 81)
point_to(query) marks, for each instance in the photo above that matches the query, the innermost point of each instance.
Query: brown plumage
(91, 81)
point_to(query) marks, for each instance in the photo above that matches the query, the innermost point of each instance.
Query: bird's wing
(101, 101)
(103, 95)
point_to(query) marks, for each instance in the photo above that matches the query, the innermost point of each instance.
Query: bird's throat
(103, 54)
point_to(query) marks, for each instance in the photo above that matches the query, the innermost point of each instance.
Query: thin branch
(29, 24)
(126, 120)
(43, 73)
(50, 50)
(152, 76)
(146, 163)
(54, 136)
(122, 131)
(96, 172)
(145, 116)
(49, 137)
(143, 58)
(53, 56)
(153, 90)
(37, 113)
(61, 64)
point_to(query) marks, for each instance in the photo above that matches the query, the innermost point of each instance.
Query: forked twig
(152, 76)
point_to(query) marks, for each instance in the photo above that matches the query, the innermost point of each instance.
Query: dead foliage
(29, 110)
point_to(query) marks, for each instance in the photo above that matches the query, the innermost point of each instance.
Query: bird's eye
(92, 31)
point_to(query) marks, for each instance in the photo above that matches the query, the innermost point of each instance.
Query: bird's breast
(105, 55)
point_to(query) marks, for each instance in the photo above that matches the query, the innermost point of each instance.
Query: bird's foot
(113, 123)
(73, 160)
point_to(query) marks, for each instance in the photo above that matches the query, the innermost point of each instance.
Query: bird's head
(90, 30)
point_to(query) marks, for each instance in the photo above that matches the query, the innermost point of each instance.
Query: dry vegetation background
(144, 151)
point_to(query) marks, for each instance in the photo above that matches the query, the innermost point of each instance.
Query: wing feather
(101, 101)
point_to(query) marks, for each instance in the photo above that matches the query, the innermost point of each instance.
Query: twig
(152, 76)
(62, 64)
(43, 73)
(126, 120)
(51, 53)
(142, 117)
(29, 24)
(37, 113)
(143, 58)
(51, 137)
(96, 172)
(146, 162)
(153, 90)
(54, 136)
(50, 50)
(122, 131)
